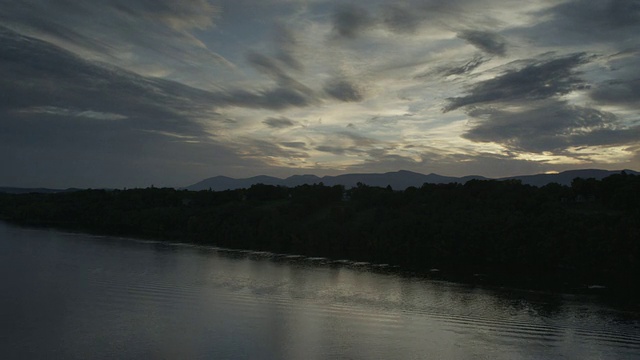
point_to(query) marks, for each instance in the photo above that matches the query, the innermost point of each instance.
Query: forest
(557, 237)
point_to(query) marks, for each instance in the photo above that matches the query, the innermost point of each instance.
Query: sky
(134, 93)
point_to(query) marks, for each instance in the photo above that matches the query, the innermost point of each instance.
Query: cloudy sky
(124, 93)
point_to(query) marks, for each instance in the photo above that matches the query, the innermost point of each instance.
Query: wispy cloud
(279, 123)
(486, 41)
(350, 20)
(538, 79)
(343, 90)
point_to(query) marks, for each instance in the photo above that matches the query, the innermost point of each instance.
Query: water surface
(75, 296)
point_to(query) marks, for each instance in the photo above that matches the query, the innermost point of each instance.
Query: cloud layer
(129, 93)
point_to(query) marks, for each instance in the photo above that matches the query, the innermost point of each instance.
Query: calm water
(71, 296)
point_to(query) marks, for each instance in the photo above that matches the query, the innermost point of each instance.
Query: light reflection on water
(72, 296)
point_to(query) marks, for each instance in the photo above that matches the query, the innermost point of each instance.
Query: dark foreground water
(71, 296)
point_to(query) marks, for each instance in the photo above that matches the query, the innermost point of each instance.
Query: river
(77, 296)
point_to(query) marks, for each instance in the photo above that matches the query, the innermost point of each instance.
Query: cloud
(411, 17)
(618, 92)
(260, 149)
(603, 24)
(183, 15)
(289, 91)
(57, 152)
(279, 123)
(274, 98)
(336, 150)
(343, 90)
(144, 78)
(268, 66)
(356, 139)
(463, 69)
(89, 124)
(539, 79)
(88, 114)
(486, 41)
(350, 143)
(454, 164)
(611, 14)
(349, 21)
(401, 18)
(453, 67)
(294, 144)
(384, 122)
(38, 75)
(548, 126)
(623, 86)
(286, 44)
(137, 35)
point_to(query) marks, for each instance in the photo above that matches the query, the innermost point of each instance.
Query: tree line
(586, 233)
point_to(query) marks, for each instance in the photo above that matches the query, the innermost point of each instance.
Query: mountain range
(398, 180)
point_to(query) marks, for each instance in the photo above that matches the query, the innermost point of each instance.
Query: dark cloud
(618, 92)
(349, 21)
(611, 14)
(49, 26)
(608, 26)
(540, 79)
(486, 41)
(623, 88)
(408, 17)
(336, 150)
(61, 151)
(158, 30)
(356, 139)
(294, 144)
(289, 92)
(279, 123)
(548, 125)
(348, 142)
(343, 90)
(454, 68)
(184, 14)
(383, 121)
(34, 74)
(465, 68)
(268, 66)
(89, 124)
(401, 18)
(286, 44)
(608, 23)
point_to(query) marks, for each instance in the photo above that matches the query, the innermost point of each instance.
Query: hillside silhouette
(399, 180)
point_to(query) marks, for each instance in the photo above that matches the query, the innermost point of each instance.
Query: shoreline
(467, 279)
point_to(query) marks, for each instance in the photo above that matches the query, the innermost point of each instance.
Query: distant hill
(398, 180)
(565, 177)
